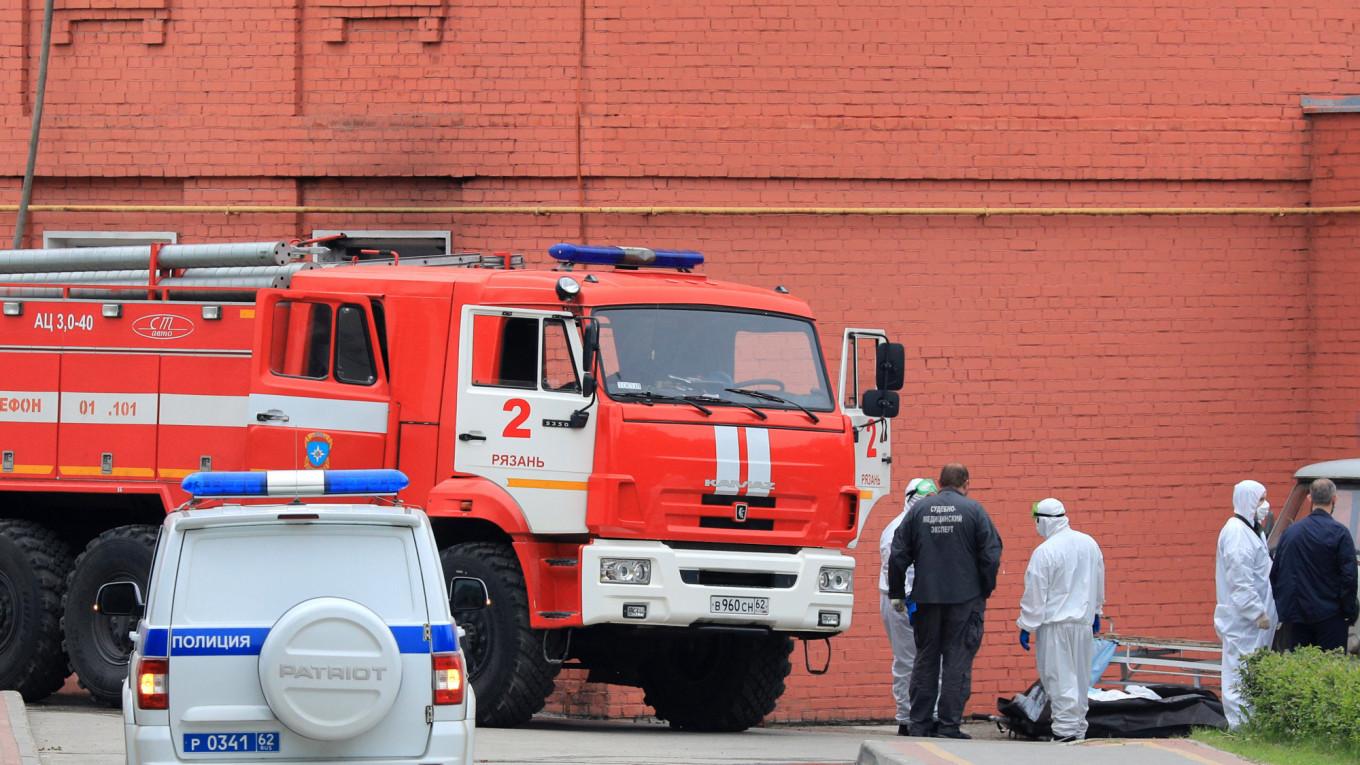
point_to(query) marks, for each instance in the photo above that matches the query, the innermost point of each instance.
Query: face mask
(1262, 512)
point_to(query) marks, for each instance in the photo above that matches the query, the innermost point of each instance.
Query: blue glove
(1095, 628)
(911, 612)
(1024, 639)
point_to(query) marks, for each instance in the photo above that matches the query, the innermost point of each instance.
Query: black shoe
(919, 731)
(951, 733)
(1067, 739)
(903, 729)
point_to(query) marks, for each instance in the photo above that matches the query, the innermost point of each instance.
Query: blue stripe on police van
(235, 641)
(157, 644)
(445, 638)
(246, 641)
(411, 639)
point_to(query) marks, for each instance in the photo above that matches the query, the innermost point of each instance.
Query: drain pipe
(27, 194)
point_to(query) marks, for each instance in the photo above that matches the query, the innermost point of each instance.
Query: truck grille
(757, 579)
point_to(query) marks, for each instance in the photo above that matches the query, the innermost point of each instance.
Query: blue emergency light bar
(295, 483)
(584, 254)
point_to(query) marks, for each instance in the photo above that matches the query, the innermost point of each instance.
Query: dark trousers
(947, 638)
(1328, 634)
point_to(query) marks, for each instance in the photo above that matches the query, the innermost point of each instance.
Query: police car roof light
(295, 483)
(625, 256)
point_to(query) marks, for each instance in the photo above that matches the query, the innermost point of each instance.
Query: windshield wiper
(649, 398)
(760, 394)
(725, 402)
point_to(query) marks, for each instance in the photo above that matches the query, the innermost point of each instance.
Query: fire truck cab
(650, 469)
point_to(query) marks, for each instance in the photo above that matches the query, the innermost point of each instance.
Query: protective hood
(1246, 497)
(1051, 516)
(917, 490)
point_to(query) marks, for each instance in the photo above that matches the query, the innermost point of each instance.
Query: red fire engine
(649, 468)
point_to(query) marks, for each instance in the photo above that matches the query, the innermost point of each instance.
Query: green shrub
(1308, 694)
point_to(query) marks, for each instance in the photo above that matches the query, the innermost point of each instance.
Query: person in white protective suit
(1064, 592)
(898, 625)
(1244, 617)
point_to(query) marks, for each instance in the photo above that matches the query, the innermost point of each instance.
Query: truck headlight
(836, 580)
(625, 571)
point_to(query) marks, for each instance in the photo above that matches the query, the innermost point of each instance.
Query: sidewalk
(914, 751)
(16, 740)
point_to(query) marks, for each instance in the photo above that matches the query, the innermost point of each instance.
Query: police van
(290, 632)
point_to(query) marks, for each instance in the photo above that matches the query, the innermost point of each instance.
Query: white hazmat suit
(1244, 617)
(1064, 591)
(901, 637)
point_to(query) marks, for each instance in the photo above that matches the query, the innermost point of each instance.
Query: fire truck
(650, 469)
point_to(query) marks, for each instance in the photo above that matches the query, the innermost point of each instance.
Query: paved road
(69, 734)
(69, 731)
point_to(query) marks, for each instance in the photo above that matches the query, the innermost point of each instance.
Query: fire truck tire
(97, 644)
(717, 683)
(33, 565)
(506, 665)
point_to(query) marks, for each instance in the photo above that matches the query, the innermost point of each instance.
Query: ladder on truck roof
(226, 272)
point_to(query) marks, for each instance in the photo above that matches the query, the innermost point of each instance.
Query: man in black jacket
(957, 551)
(1314, 576)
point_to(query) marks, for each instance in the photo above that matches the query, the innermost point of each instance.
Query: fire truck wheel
(33, 564)
(97, 644)
(717, 683)
(506, 665)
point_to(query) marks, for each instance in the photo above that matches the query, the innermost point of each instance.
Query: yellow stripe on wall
(96, 471)
(540, 483)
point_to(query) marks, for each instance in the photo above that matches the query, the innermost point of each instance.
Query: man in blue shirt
(1314, 577)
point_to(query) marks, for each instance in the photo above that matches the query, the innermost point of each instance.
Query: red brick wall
(1136, 367)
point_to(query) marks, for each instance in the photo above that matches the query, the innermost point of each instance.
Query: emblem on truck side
(318, 449)
(739, 512)
(163, 326)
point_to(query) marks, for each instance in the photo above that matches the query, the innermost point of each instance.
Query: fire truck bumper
(683, 587)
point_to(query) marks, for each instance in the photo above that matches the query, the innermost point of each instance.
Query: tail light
(153, 684)
(449, 678)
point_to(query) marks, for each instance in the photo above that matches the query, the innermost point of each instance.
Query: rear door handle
(471, 437)
(273, 415)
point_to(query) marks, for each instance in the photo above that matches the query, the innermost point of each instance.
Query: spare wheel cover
(330, 669)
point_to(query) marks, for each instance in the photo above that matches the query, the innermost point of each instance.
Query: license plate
(722, 604)
(199, 743)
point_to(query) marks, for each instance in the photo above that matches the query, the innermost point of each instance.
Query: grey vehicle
(290, 632)
(1346, 475)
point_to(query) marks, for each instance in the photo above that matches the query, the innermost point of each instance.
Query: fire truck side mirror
(588, 385)
(590, 348)
(880, 403)
(892, 365)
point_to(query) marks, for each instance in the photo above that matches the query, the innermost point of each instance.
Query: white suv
(290, 632)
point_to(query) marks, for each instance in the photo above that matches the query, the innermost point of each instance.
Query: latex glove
(911, 612)
(1024, 639)
(1095, 626)
(898, 605)
(1263, 623)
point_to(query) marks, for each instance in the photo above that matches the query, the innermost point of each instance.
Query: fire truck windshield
(712, 355)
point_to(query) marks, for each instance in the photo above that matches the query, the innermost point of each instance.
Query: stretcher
(1142, 658)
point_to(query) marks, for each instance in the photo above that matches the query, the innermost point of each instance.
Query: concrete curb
(882, 753)
(16, 738)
